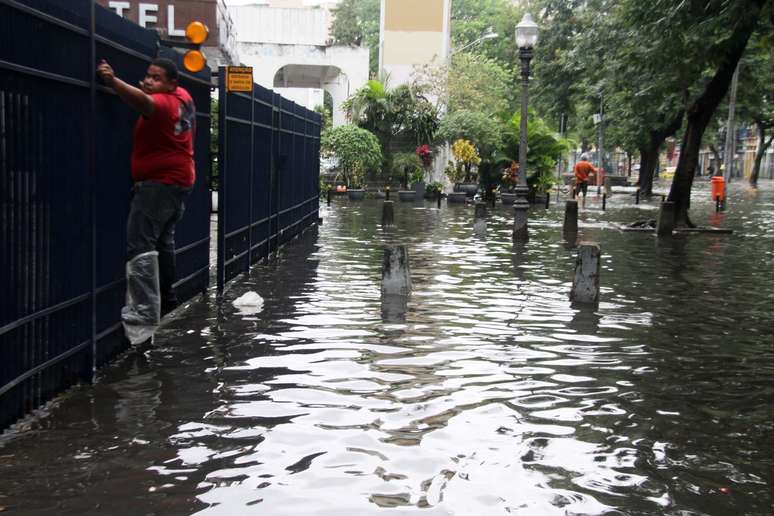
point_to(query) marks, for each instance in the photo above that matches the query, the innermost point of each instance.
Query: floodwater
(486, 393)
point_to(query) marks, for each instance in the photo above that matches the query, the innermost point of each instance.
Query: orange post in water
(718, 188)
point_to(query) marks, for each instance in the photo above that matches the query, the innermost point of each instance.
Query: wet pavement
(487, 393)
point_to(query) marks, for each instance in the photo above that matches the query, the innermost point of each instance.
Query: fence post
(222, 175)
(252, 182)
(93, 172)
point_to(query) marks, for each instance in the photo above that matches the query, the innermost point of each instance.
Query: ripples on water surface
(486, 394)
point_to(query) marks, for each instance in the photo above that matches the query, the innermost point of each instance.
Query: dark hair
(168, 66)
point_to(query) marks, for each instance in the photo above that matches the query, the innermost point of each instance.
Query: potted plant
(456, 174)
(466, 157)
(433, 190)
(357, 150)
(508, 182)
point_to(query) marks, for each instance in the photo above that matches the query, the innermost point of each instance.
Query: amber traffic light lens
(194, 61)
(197, 32)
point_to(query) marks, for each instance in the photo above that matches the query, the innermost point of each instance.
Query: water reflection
(485, 392)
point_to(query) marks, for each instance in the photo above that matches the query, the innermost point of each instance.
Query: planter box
(457, 197)
(356, 195)
(468, 188)
(507, 197)
(407, 195)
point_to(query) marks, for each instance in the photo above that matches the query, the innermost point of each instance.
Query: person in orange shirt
(583, 169)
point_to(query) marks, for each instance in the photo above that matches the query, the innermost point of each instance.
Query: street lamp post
(526, 38)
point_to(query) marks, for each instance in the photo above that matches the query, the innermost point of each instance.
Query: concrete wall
(296, 42)
(267, 59)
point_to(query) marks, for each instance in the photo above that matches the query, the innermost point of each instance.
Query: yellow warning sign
(239, 78)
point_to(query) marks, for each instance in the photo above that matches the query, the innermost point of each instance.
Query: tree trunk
(649, 152)
(648, 162)
(628, 164)
(701, 111)
(763, 146)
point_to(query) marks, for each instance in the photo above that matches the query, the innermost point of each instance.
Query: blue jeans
(155, 210)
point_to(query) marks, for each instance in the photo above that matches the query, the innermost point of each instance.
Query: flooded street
(486, 394)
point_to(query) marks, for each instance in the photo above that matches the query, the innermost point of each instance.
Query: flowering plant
(424, 152)
(510, 176)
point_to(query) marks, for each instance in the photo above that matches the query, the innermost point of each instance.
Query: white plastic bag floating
(142, 312)
(249, 304)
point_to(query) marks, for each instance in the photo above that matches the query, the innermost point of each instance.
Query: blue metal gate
(269, 155)
(65, 143)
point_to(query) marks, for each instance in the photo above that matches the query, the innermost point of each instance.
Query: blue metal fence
(268, 176)
(64, 187)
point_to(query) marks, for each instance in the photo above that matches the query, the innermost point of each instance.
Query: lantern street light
(526, 39)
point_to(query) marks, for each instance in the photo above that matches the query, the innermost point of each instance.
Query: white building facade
(290, 51)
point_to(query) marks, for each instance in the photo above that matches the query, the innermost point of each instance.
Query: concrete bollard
(585, 285)
(570, 218)
(387, 193)
(520, 229)
(637, 196)
(396, 275)
(480, 210)
(438, 199)
(548, 200)
(666, 219)
(388, 213)
(604, 202)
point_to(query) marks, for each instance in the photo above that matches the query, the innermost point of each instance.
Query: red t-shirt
(163, 142)
(582, 171)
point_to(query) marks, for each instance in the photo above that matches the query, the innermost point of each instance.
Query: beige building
(412, 34)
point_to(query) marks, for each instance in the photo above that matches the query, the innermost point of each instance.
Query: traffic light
(196, 33)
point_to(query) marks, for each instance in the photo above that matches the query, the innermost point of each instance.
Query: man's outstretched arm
(134, 97)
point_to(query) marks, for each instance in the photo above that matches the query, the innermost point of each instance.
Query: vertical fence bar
(222, 174)
(93, 173)
(252, 182)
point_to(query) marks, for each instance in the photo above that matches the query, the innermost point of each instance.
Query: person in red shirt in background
(583, 170)
(163, 173)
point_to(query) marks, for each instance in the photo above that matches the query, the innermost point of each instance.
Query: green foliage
(401, 113)
(327, 117)
(545, 149)
(356, 23)
(472, 18)
(483, 130)
(433, 188)
(356, 149)
(405, 162)
(417, 176)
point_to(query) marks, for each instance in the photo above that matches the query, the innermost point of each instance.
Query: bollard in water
(574, 192)
(480, 210)
(570, 228)
(388, 213)
(494, 197)
(608, 187)
(387, 193)
(666, 219)
(439, 199)
(548, 199)
(604, 202)
(520, 229)
(396, 276)
(663, 198)
(637, 196)
(329, 196)
(717, 204)
(585, 284)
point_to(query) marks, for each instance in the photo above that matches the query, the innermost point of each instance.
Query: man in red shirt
(163, 173)
(583, 169)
